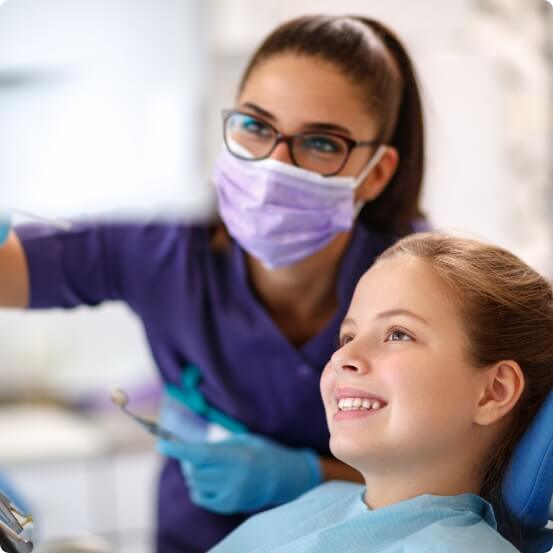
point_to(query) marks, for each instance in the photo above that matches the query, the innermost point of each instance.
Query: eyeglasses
(249, 138)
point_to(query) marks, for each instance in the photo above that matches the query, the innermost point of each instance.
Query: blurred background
(113, 107)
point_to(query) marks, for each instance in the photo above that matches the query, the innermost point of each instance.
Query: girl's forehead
(403, 282)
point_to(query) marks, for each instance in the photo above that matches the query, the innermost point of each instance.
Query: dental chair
(528, 484)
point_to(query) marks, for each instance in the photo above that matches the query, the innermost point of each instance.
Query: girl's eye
(398, 335)
(344, 339)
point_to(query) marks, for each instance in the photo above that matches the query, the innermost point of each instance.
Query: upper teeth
(350, 403)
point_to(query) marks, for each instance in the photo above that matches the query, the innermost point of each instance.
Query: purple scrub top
(197, 307)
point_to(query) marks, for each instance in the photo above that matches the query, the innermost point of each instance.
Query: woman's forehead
(303, 90)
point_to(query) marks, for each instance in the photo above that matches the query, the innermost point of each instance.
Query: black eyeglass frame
(289, 138)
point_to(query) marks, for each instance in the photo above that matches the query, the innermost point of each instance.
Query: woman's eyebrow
(329, 127)
(392, 312)
(259, 110)
(312, 126)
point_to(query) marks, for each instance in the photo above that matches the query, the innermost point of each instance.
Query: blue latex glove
(244, 473)
(5, 226)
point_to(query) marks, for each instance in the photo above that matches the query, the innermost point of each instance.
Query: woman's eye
(255, 126)
(322, 145)
(397, 335)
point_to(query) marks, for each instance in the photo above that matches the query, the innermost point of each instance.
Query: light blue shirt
(333, 517)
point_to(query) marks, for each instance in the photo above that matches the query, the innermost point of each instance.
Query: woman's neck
(301, 298)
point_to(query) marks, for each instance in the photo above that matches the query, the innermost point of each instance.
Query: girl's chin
(348, 451)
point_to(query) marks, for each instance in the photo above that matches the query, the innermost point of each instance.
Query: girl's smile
(352, 403)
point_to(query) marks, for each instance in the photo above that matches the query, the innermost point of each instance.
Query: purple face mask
(280, 213)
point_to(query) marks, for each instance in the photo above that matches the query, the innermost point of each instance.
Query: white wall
(100, 105)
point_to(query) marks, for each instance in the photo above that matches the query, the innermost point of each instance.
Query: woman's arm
(336, 470)
(14, 274)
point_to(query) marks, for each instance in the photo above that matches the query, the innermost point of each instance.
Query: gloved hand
(5, 226)
(244, 473)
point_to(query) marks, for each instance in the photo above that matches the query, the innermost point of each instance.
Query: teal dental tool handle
(189, 395)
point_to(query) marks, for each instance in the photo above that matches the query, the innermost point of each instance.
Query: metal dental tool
(58, 223)
(120, 398)
(12, 523)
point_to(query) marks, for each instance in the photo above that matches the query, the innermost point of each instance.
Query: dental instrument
(12, 528)
(6, 222)
(120, 398)
(58, 223)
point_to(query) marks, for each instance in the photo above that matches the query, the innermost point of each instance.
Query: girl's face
(298, 94)
(400, 392)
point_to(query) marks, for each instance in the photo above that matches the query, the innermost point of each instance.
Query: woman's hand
(244, 473)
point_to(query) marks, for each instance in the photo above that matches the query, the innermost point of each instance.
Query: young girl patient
(445, 356)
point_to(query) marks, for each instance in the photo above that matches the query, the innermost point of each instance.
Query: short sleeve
(95, 262)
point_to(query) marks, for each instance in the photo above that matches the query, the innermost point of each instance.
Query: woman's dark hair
(375, 60)
(507, 314)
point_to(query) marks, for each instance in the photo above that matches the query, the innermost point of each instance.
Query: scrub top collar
(363, 245)
(356, 247)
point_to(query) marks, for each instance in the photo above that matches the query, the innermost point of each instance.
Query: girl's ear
(379, 177)
(503, 385)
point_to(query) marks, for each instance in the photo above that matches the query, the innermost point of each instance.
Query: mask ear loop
(373, 162)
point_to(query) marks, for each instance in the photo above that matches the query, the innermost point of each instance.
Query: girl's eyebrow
(320, 126)
(347, 322)
(392, 312)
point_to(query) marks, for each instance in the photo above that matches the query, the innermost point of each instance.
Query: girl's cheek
(326, 383)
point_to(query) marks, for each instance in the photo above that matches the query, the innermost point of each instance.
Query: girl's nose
(348, 358)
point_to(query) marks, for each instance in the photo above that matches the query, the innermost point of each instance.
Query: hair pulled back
(376, 62)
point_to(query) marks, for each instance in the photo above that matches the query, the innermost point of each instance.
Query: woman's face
(399, 392)
(298, 94)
